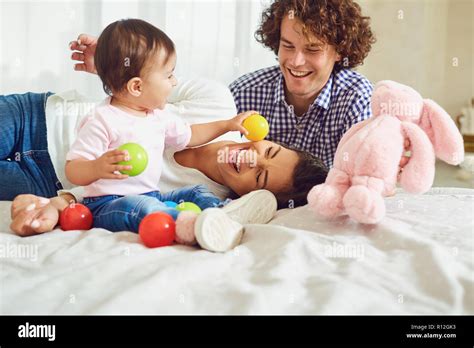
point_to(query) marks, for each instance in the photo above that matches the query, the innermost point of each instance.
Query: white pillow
(202, 101)
(64, 113)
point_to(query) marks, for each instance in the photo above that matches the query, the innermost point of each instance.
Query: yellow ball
(257, 126)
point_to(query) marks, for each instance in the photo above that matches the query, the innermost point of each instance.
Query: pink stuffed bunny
(366, 164)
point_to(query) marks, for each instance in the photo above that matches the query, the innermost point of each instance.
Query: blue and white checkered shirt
(343, 101)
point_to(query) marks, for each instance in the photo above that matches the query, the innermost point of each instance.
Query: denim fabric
(25, 164)
(124, 213)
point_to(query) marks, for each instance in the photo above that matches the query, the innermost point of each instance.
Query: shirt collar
(279, 94)
(323, 99)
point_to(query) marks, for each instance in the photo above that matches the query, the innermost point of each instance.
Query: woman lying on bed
(30, 156)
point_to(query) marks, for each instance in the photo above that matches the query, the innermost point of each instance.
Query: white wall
(418, 42)
(214, 39)
(427, 44)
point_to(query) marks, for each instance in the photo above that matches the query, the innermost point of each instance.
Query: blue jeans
(25, 164)
(124, 213)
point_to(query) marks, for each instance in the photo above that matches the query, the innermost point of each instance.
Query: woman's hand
(235, 123)
(84, 50)
(32, 214)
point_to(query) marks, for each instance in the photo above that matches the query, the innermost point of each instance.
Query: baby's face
(159, 81)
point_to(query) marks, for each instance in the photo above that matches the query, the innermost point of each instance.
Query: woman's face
(256, 165)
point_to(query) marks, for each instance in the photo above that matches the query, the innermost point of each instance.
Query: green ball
(138, 159)
(188, 206)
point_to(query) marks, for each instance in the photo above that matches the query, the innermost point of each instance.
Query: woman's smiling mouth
(239, 156)
(235, 158)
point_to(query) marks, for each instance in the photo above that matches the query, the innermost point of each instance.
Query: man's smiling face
(306, 62)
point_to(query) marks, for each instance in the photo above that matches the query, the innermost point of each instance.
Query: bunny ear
(442, 131)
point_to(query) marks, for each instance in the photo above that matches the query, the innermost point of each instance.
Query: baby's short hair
(124, 49)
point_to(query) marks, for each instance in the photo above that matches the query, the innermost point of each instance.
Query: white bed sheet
(419, 260)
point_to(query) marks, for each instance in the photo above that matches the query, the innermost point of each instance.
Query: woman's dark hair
(339, 23)
(124, 50)
(309, 171)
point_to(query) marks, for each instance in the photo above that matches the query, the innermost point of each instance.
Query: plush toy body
(366, 163)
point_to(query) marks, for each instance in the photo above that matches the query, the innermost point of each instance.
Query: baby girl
(135, 62)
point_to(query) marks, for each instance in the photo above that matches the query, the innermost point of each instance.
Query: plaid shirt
(343, 101)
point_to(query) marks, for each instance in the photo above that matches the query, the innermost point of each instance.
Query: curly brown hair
(337, 22)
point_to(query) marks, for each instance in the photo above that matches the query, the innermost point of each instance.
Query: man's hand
(84, 50)
(32, 214)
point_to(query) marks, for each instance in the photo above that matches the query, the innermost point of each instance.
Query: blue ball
(171, 204)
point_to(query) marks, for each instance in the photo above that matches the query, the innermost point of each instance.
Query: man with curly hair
(312, 97)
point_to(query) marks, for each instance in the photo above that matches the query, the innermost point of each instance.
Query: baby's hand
(106, 165)
(235, 123)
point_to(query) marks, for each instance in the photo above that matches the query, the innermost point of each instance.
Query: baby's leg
(198, 194)
(126, 213)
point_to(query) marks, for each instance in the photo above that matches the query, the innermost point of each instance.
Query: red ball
(76, 217)
(157, 230)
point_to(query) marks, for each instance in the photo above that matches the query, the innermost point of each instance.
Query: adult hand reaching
(84, 50)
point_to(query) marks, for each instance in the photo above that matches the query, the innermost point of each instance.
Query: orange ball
(157, 230)
(76, 217)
